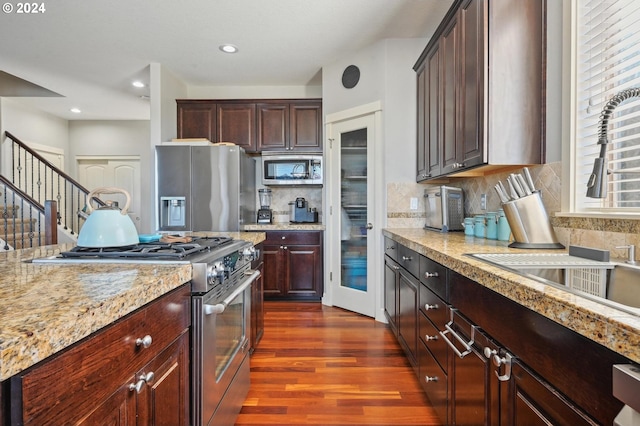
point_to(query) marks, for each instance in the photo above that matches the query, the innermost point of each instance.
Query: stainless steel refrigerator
(204, 188)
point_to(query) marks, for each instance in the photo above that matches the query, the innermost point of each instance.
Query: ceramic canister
(504, 231)
(492, 225)
(468, 226)
(479, 226)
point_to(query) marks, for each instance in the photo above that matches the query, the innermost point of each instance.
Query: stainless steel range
(221, 314)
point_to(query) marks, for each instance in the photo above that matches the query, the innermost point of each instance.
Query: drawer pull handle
(428, 338)
(430, 274)
(145, 342)
(430, 379)
(144, 379)
(429, 307)
(467, 345)
(506, 361)
(407, 258)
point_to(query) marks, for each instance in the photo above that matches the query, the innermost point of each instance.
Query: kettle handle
(108, 190)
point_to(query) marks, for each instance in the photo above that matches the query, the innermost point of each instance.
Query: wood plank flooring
(318, 365)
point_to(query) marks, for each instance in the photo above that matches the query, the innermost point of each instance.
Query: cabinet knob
(429, 307)
(284, 237)
(430, 379)
(407, 258)
(145, 342)
(144, 379)
(430, 274)
(488, 352)
(429, 338)
(395, 267)
(390, 248)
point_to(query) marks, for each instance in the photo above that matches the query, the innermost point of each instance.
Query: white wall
(32, 125)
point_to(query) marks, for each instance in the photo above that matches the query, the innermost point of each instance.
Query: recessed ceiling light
(138, 84)
(228, 48)
(75, 110)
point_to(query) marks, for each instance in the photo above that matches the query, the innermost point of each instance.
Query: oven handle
(220, 307)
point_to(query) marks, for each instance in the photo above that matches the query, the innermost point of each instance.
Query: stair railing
(40, 180)
(23, 222)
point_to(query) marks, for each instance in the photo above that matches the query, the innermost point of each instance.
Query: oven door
(220, 345)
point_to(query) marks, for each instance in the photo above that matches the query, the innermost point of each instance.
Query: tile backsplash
(282, 196)
(605, 234)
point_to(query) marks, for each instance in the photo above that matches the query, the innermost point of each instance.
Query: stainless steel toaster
(444, 207)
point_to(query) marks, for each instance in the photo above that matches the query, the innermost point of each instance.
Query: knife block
(530, 224)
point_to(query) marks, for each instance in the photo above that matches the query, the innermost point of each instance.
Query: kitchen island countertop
(613, 328)
(44, 308)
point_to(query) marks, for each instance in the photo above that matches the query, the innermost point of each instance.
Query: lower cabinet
(483, 359)
(293, 265)
(135, 372)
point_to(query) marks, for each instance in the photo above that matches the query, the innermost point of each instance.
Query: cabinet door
(449, 79)
(305, 275)
(272, 127)
(408, 315)
(534, 402)
(433, 121)
(197, 120)
(471, 86)
(236, 123)
(274, 271)
(391, 269)
(421, 109)
(117, 410)
(165, 400)
(305, 126)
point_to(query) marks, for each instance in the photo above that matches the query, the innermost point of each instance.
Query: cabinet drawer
(409, 260)
(433, 307)
(434, 382)
(434, 276)
(391, 248)
(431, 338)
(294, 237)
(67, 385)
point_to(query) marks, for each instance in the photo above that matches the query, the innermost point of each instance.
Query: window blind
(607, 62)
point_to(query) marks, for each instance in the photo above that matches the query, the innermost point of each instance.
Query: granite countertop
(284, 226)
(45, 307)
(616, 329)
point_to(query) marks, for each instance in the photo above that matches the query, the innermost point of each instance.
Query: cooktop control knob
(217, 271)
(250, 253)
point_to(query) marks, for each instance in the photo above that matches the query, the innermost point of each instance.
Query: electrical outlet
(483, 201)
(413, 205)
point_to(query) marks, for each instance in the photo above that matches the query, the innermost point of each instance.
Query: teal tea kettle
(108, 226)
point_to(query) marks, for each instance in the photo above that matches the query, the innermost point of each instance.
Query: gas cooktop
(199, 248)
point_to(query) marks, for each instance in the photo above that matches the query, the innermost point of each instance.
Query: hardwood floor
(318, 365)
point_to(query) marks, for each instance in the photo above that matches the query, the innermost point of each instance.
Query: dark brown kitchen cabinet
(472, 79)
(236, 123)
(546, 383)
(134, 372)
(256, 125)
(293, 265)
(197, 120)
(290, 126)
(408, 315)
(391, 279)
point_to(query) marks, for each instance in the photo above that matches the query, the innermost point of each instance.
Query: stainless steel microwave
(291, 169)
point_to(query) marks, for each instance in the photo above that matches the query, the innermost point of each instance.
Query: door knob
(369, 225)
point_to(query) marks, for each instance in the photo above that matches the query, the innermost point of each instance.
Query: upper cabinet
(265, 125)
(480, 89)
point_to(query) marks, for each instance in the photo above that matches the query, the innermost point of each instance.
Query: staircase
(37, 200)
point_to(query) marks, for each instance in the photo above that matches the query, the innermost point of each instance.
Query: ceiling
(90, 52)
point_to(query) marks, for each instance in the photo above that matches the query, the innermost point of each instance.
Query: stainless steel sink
(624, 285)
(614, 281)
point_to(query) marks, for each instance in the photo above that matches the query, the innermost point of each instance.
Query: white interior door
(121, 173)
(351, 188)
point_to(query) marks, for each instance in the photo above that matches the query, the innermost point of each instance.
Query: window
(607, 61)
